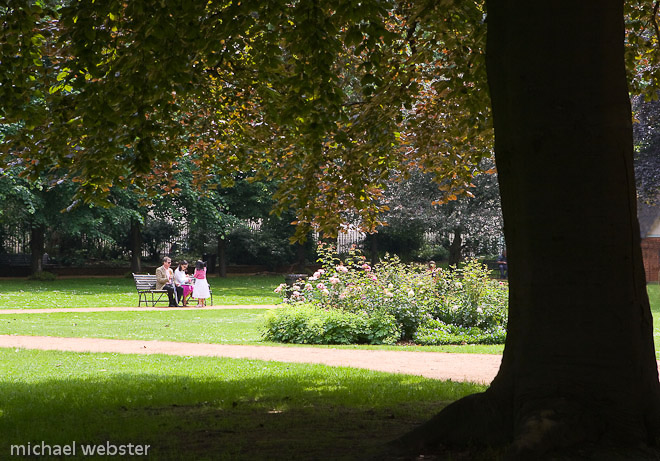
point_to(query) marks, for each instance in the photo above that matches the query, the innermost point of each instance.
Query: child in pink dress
(201, 290)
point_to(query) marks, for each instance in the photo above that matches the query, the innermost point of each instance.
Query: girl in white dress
(201, 290)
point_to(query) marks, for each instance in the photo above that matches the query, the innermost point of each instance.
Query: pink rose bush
(428, 305)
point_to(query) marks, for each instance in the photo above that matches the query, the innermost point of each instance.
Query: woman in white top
(183, 279)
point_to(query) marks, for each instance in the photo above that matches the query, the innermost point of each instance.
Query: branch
(654, 19)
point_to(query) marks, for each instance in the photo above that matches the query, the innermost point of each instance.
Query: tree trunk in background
(222, 256)
(136, 247)
(37, 239)
(301, 258)
(375, 259)
(455, 254)
(579, 368)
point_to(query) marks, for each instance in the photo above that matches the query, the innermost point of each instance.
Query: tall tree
(579, 366)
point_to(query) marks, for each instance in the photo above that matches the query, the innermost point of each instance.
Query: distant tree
(416, 205)
(647, 147)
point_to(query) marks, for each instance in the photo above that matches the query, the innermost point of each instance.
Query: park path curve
(479, 368)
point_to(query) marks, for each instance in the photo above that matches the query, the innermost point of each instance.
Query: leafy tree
(579, 369)
(647, 146)
(416, 205)
(579, 366)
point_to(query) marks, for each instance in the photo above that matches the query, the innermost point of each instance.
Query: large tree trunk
(579, 368)
(136, 246)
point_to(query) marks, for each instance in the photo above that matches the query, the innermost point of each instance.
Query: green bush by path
(120, 292)
(307, 324)
(210, 408)
(435, 332)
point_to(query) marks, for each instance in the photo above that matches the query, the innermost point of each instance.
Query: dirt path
(479, 368)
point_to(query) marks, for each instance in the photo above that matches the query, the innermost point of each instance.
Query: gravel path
(480, 368)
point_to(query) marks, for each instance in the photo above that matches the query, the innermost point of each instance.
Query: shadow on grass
(280, 412)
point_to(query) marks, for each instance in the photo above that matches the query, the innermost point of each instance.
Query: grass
(210, 408)
(207, 408)
(212, 326)
(120, 291)
(227, 326)
(232, 326)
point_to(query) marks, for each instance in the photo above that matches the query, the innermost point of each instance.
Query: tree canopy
(330, 99)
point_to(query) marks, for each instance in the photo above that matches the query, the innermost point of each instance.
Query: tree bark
(579, 369)
(37, 240)
(455, 255)
(222, 256)
(136, 246)
(373, 250)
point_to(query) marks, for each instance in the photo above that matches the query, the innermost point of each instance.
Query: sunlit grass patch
(196, 407)
(120, 292)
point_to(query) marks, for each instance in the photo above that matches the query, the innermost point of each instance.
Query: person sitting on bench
(165, 281)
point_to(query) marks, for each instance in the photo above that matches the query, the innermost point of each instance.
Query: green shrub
(430, 252)
(43, 276)
(470, 298)
(308, 324)
(435, 333)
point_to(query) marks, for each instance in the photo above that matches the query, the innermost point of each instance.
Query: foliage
(309, 324)
(647, 144)
(269, 245)
(435, 332)
(400, 237)
(321, 95)
(412, 294)
(43, 276)
(155, 232)
(331, 97)
(416, 205)
(430, 252)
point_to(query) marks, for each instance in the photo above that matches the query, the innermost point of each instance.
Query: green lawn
(212, 326)
(120, 291)
(210, 408)
(231, 326)
(192, 407)
(227, 326)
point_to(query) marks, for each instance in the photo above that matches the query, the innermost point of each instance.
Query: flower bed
(427, 304)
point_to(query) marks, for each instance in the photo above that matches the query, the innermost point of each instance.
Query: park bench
(492, 264)
(147, 293)
(20, 259)
(145, 284)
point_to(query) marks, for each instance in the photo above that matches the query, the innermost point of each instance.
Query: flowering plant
(414, 295)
